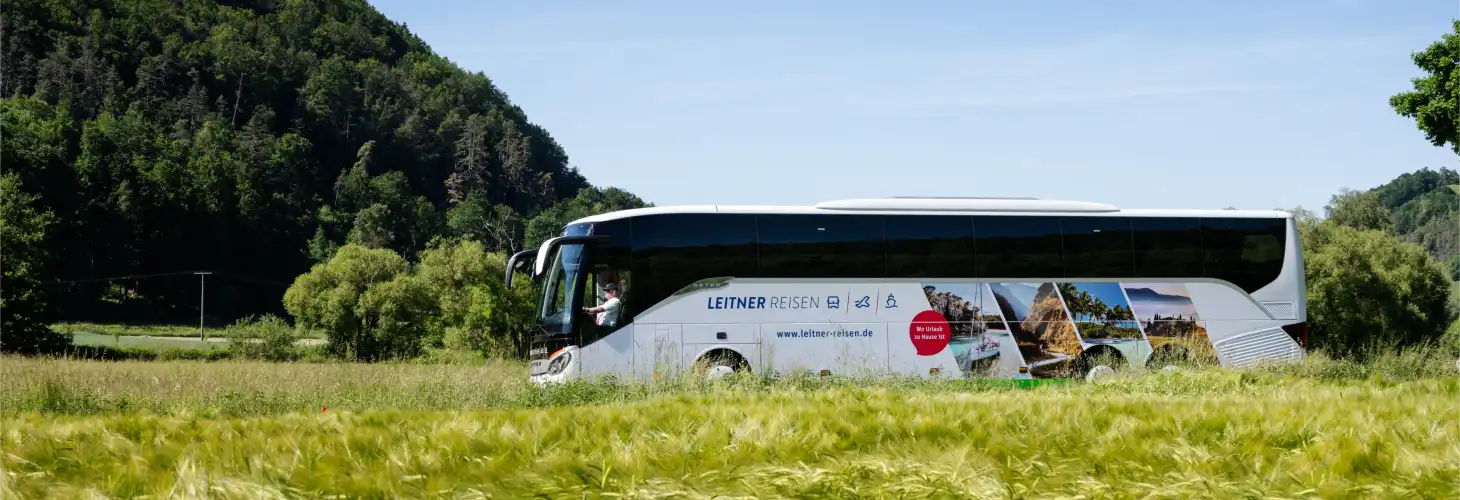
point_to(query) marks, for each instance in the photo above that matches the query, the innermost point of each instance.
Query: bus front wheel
(721, 363)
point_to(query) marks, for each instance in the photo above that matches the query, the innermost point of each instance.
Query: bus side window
(608, 264)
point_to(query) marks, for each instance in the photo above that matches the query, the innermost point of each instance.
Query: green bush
(365, 301)
(1368, 291)
(267, 338)
(394, 313)
(1451, 341)
(476, 310)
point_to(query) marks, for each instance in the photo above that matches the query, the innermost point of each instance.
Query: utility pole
(202, 301)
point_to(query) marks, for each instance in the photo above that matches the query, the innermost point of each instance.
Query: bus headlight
(560, 363)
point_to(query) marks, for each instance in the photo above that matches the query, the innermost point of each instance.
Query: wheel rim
(1100, 372)
(718, 371)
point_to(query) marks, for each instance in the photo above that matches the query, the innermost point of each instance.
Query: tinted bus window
(929, 246)
(1246, 252)
(672, 251)
(1018, 247)
(1097, 247)
(1167, 247)
(821, 246)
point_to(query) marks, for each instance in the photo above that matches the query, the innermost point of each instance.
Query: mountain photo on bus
(1040, 325)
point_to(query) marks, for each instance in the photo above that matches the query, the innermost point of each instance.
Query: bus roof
(938, 206)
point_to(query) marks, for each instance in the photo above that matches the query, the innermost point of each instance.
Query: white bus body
(945, 287)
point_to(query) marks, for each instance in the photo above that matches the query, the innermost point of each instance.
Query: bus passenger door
(656, 351)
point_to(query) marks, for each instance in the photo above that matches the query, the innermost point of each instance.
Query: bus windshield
(559, 282)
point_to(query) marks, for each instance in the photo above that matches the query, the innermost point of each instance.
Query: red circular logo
(929, 332)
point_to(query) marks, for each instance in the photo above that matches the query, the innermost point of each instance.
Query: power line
(163, 275)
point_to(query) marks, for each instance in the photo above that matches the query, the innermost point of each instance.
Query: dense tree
(1421, 207)
(476, 311)
(589, 201)
(498, 227)
(254, 139)
(365, 302)
(1433, 102)
(1359, 210)
(1367, 288)
(24, 310)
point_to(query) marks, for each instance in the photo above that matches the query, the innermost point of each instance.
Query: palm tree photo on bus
(1101, 312)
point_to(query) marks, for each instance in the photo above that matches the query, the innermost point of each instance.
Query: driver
(608, 311)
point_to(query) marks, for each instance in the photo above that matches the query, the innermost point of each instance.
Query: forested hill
(1422, 207)
(1425, 206)
(251, 138)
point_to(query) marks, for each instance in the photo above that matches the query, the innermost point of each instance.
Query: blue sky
(1142, 104)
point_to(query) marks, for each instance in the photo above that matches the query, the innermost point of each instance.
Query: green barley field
(1319, 429)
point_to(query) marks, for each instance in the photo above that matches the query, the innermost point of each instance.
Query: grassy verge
(96, 339)
(161, 331)
(126, 330)
(1321, 429)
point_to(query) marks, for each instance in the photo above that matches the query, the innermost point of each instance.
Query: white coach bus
(931, 287)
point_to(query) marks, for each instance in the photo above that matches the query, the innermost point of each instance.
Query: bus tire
(719, 363)
(1100, 362)
(1168, 358)
(1099, 372)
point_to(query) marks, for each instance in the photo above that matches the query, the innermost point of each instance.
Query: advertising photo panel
(995, 326)
(1168, 316)
(1103, 317)
(1036, 317)
(982, 347)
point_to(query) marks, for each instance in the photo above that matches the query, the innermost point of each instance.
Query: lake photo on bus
(1167, 314)
(1038, 321)
(980, 342)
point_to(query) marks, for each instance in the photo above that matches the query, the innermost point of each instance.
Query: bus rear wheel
(1098, 363)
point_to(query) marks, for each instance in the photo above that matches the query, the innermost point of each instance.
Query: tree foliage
(253, 139)
(1433, 101)
(1451, 341)
(24, 310)
(374, 305)
(1359, 210)
(476, 310)
(364, 302)
(589, 201)
(1367, 288)
(1421, 207)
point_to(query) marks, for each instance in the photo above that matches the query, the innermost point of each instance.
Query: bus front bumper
(559, 368)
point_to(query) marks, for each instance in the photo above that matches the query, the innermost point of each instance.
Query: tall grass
(1324, 428)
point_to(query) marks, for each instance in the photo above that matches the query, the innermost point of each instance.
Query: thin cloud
(1097, 70)
(1115, 95)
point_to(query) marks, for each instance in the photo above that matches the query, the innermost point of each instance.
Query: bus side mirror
(516, 262)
